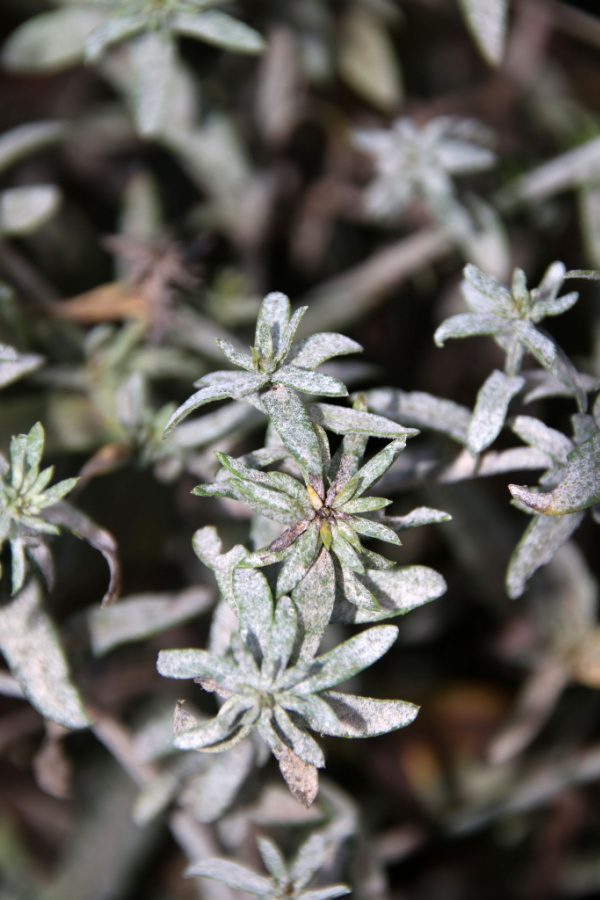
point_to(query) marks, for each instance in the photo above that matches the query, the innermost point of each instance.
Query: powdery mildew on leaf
(31, 646)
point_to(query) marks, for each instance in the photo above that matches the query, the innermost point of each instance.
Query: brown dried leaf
(302, 778)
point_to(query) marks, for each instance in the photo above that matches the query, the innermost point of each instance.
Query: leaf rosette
(266, 685)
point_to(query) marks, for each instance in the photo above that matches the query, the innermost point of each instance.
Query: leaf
(421, 409)
(310, 382)
(112, 31)
(536, 433)
(220, 29)
(254, 609)
(193, 663)
(272, 858)
(540, 541)
(397, 590)
(272, 321)
(364, 717)
(282, 638)
(579, 489)
(231, 873)
(318, 348)
(422, 515)
(153, 71)
(289, 417)
(303, 745)
(372, 471)
(469, 325)
(85, 528)
(14, 365)
(204, 395)
(344, 420)
(238, 359)
(234, 721)
(301, 777)
(487, 20)
(26, 139)
(212, 793)
(51, 41)
(208, 548)
(314, 597)
(24, 209)
(490, 409)
(367, 59)
(32, 648)
(138, 617)
(348, 659)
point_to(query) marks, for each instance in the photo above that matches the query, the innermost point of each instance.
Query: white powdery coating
(579, 489)
(367, 717)
(144, 615)
(343, 420)
(14, 365)
(212, 792)
(421, 409)
(487, 22)
(541, 540)
(491, 408)
(32, 649)
(550, 441)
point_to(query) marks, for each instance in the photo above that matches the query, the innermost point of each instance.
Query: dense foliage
(169, 169)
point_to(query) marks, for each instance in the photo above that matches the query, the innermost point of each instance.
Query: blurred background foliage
(136, 256)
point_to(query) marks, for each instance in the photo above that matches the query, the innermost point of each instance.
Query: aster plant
(269, 674)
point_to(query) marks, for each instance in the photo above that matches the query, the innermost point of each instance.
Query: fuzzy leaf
(231, 873)
(373, 529)
(314, 597)
(490, 409)
(208, 548)
(397, 591)
(421, 409)
(365, 717)
(238, 359)
(26, 139)
(273, 319)
(300, 742)
(379, 464)
(367, 59)
(540, 541)
(348, 659)
(31, 646)
(219, 391)
(110, 32)
(469, 325)
(139, 617)
(50, 41)
(288, 416)
(232, 724)
(153, 72)
(24, 209)
(344, 420)
(220, 29)
(14, 365)
(311, 382)
(272, 858)
(486, 20)
(579, 489)
(212, 793)
(422, 515)
(254, 608)
(537, 434)
(192, 663)
(318, 348)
